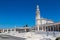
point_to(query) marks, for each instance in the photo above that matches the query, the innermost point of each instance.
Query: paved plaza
(7, 37)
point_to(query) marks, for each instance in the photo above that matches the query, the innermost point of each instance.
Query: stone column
(42, 28)
(53, 31)
(38, 27)
(15, 29)
(45, 28)
(53, 27)
(10, 30)
(3, 30)
(25, 29)
(50, 28)
(58, 27)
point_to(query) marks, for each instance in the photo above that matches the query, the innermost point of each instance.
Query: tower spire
(38, 12)
(37, 7)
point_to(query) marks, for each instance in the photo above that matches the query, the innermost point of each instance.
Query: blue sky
(22, 12)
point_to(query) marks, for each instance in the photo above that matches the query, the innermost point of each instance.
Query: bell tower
(38, 18)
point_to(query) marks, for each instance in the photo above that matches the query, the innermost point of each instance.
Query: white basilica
(42, 24)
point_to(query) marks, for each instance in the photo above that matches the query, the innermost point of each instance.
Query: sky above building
(22, 12)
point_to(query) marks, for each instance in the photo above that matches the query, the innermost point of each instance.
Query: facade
(45, 24)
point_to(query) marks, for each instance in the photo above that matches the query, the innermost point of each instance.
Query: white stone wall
(45, 21)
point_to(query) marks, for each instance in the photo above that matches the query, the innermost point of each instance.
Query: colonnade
(52, 28)
(7, 30)
(15, 30)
